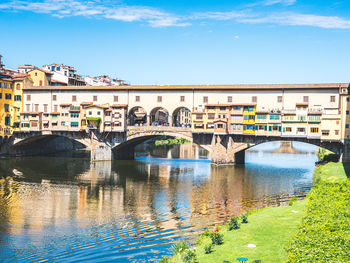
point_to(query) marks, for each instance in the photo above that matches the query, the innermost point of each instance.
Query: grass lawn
(331, 172)
(269, 229)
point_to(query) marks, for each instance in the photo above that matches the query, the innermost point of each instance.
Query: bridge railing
(157, 128)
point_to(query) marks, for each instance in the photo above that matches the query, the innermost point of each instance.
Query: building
(25, 68)
(103, 80)
(63, 75)
(40, 77)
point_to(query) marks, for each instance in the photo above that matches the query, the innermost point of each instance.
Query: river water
(59, 209)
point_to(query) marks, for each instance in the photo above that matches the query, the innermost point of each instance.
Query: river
(66, 209)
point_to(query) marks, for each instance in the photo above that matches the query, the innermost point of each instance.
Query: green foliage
(217, 238)
(324, 235)
(189, 256)
(179, 247)
(292, 200)
(244, 219)
(206, 233)
(208, 248)
(233, 225)
(330, 172)
(165, 259)
(171, 141)
(325, 156)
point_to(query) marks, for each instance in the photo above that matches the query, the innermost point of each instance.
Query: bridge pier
(224, 151)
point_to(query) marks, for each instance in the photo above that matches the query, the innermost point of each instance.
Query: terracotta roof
(120, 105)
(31, 113)
(315, 112)
(86, 103)
(261, 111)
(302, 103)
(65, 104)
(57, 81)
(55, 113)
(203, 87)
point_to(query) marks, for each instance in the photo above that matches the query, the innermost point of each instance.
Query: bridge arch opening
(182, 117)
(46, 144)
(159, 116)
(137, 116)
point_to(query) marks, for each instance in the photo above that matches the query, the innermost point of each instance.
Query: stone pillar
(170, 120)
(240, 157)
(100, 152)
(148, 120)
(222, 150)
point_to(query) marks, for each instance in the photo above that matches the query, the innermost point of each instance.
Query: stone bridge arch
(230, 149)
(126, 150)
(38, 143)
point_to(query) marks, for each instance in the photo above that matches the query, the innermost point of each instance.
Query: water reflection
(65, 209)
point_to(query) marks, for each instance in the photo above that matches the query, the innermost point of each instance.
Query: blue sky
(183, 41)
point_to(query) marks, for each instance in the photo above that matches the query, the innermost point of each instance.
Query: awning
(54, 122)
(45, 122)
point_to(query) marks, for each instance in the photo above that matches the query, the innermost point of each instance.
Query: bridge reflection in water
(64, 208)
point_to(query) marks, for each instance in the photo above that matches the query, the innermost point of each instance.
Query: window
(90, 113)
(74, 98)
(0, 92)
(222, 108)
(115, 98)
(98, 113)
(347, 126)
(27, 107)
(205, 99)
(159, 98)
(7, 107)
(279, 99)
(54, 97)
(18, 87)
(261, 116)
(306, 99)
(237, 107)
(314, 130)
(347, 112)
(36, 74)
(288, 129)
(74, 124)
(94, 98)
(107, 113)
(229, 99)
(137, 98)
(332, 98)
(254, 99)
(182, 98)
(36, 107)
(34, 124)
(55, 108)
(40, 82)
(7, 96)
(325, 132)
(45, 107)
(336, 132)
(211, 116)
(301, 129)
(274, 117)
(347, 99)
(28, 97)
(199, 116)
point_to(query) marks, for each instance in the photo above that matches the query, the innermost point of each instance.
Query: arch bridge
(223, 149)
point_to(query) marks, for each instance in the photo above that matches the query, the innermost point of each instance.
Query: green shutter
(284, 129)
(265, 128)
(279, 128)
(270, 128)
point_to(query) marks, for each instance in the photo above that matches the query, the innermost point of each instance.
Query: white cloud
(283, 2)
(236, 37)
(158, 18)
(66, 8)
(302, 20)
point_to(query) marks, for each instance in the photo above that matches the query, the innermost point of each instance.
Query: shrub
(208, 248)
(324, 234)
(179, 247)
(244, 219)
(217, 238)
(165, 259)
(233, 224)
(189, 256)
(292, 200)
(206, 233)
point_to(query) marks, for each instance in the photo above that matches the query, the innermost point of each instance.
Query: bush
(179, 247)
(324, 234)
(244, 219)
(165, 259)
(208, 248)
(292, 200)
(217, 238)
(189, 256)
(233, 224)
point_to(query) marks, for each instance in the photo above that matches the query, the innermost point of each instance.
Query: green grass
(331, 172)
(269, 229)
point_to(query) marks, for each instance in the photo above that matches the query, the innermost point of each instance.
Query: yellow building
(6, 95)
(330, 127)
(40, 77)
(249, 119)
